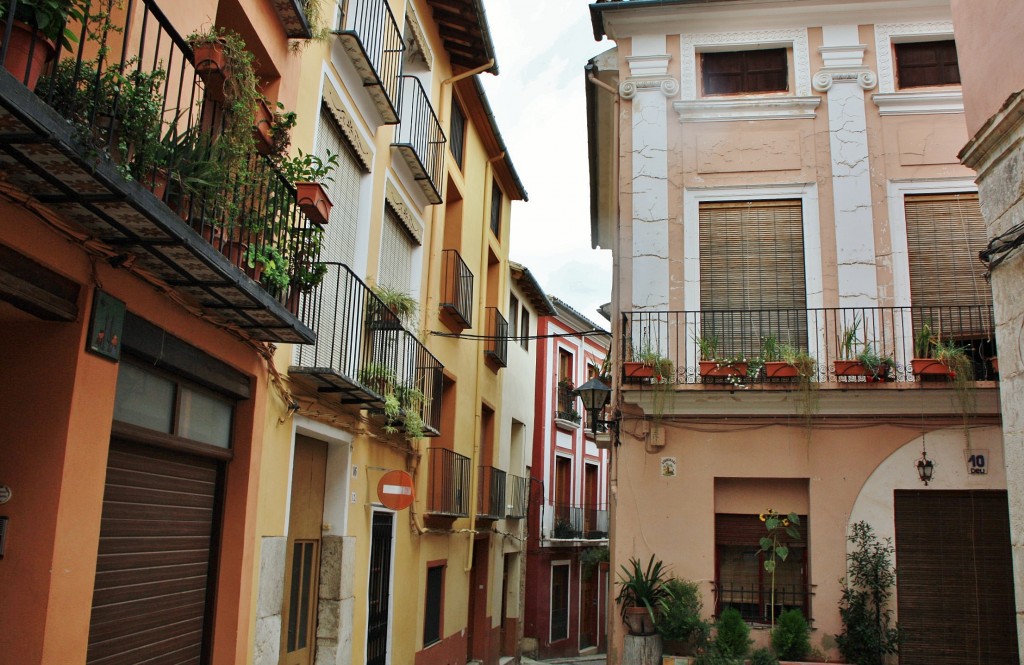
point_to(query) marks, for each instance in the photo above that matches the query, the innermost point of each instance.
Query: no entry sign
(395, 490)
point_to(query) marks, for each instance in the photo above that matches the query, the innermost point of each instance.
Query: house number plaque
(977, 461)
(5, 494)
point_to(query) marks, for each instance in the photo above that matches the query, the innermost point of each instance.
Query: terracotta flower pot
(313, 200)
(635, 370)
(714, 368)
(638, 621)
(849, 368)
(263, 128)
(930, 367)
(211, 62)
(777, 369)
(27, 54)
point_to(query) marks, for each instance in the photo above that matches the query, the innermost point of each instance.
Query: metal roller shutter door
(954, 578)
(150, 599)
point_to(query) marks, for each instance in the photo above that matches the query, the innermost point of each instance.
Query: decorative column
(845, 79)
(648, 87)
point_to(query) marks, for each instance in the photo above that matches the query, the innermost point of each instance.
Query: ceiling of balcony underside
(463, 27)
(124, 221)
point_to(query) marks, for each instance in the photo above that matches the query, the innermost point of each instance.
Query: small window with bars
(922, 64)
(457, 133)
(496, 200)
(745, 72)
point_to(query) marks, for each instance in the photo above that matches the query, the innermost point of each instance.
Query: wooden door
(589, 499)
(302, 565)
(563, 488)
(378, 623)
(954, 578)
(588, 610)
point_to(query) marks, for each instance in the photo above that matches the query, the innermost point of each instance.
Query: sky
(539, 102)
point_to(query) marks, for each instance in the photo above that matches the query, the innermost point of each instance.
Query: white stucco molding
(796, 39)
(824, 79)
(887, 33)
(746, 108)
(648, 72)
(897, 192)
(843, 64)
(916, 103)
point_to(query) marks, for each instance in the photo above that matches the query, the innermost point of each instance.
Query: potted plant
(877, 367)
(648, 364)
(391, 308)
(641, 591)
(924, 362)
(309, 173)
(806, 369)
(272, 129)
(846, 362)
(267, 264)
(679, 619)
(712, 365)
(37, 27)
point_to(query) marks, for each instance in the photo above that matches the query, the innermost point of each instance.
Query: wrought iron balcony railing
(565, 409)
(754, 601)
(490, 500)
(372, 39)
(579, 522)
(518, 497)
(361, 359)
(496, 346)
(456, 289)
(671, 341)
(419, 138)
(449, 485)
(121, 108)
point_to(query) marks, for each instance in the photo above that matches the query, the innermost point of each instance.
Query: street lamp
(595, 394)
(925, 468)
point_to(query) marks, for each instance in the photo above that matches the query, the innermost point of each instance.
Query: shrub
(680, 617)
(763, 656)
(868, 635)
(732, 636)
(791, 638)
(713, 657)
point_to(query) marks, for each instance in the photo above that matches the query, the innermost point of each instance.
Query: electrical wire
(596, 332)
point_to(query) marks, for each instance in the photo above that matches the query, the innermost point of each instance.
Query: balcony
(293, 17)
(566, 414)
(448, 486)
(888, 333)
(123, 142)
(518, 497)
(363, 362)
(579, 522)
(496, 345)
(372, 39)
(490, 499)
(419, 138)
(456, 290)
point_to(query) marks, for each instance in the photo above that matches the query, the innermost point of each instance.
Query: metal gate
(378, 621)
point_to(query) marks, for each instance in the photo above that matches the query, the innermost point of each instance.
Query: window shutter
(339, 243)
(752, 260)
(743, 530)
(396, 254)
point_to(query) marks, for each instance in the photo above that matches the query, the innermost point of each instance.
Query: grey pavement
(590, 660)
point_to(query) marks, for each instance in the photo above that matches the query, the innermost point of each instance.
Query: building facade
(396, 400)
(143, 337)
(567, 585)
(993, 74)
(777, 181)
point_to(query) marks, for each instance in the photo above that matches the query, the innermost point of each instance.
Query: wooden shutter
(752, 261)
(732, 529)
(736, 72)
(927, 63)
(954, 585)
(339, 243)
(152, 574)
(945, 232)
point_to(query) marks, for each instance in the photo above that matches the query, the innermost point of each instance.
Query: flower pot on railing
(930, 367)
(850, 368)
(263, 128)
(314, 202)
(780, 369)
(722, 368)
(637, 370)
(28, 53)
(995, 364)
(211, 63)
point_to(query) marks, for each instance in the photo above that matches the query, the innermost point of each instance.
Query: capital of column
(667, 85)
(825, 79)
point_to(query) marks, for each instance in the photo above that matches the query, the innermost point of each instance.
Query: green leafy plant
(309, 168)
(680, 618)
(791, 637)
(961, 374)
(732, 634)
(276, 273)
(591, 558)
(51, 17)
(777, 524)
(642, 587)
(763, 656)
(868, 632)
(707, 344)
(771, 350)
(849, 340)
(400, 303)
(880, 366)
(924, 341)
(807, 385)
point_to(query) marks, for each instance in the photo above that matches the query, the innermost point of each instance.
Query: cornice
(746, 108)
(997, 136)
(917, 103)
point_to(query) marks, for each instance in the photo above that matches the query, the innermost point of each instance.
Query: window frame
(457, 134)
(497, 203)
(745, 57)
(524, 329)
(566, 565)
(428, 611)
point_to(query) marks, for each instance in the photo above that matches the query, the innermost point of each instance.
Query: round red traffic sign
(395, 490)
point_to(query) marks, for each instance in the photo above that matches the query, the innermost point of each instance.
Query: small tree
(791, 638)
(868, 632)
(732, 634)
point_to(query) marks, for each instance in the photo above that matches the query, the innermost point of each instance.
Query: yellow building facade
(390, 395)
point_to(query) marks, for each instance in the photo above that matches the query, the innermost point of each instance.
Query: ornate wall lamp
(595, 395)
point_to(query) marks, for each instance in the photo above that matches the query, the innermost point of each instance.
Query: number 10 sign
(977, 461)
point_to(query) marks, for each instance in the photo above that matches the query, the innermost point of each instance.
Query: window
(339, 241)
(513, 316)
(457, 133)
(752, 259)
(559, 601)
(744, 72)
(524, 330)
(434, 604)
(396, 254)
(742, 582)
(495, 210)
(564, 365)
(921, 64)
